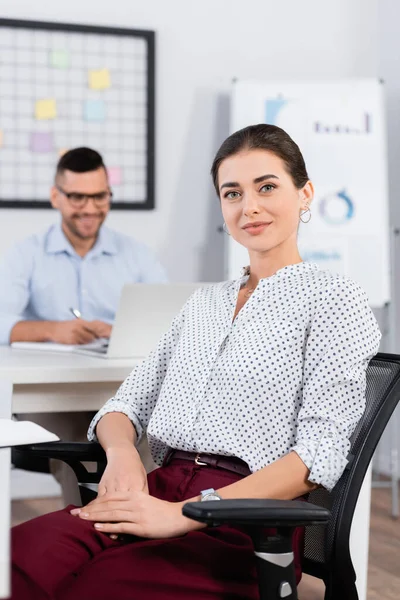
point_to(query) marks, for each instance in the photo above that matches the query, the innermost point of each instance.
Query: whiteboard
(340, 129)
(64, 86)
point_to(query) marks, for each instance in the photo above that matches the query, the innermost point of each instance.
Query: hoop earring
(304, 213)
(225, 229)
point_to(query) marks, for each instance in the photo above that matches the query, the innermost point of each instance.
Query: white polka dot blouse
(287, 374)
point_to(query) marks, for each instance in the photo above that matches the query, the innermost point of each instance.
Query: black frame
(149, 37)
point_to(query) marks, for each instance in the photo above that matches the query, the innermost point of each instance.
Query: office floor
(384, 572)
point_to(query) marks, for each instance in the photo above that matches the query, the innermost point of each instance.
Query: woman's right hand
(124, 471)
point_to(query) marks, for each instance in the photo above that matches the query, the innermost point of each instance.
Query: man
(78, 263)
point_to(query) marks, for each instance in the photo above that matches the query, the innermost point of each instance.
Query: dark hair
(265, 137)
(80, 160)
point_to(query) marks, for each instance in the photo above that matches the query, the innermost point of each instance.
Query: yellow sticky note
(62, 151)
(99, 80)
(45, 109)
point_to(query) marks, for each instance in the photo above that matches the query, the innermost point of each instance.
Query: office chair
(327, 516)
(26, 462)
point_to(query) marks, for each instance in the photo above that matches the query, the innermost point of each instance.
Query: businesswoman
(253, 392)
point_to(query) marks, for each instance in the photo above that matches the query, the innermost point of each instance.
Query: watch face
(210, 497)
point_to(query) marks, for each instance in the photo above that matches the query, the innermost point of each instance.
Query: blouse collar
(289, 270)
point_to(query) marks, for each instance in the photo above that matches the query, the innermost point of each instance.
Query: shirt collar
(105, 243)
(289, 270)
(58, 243)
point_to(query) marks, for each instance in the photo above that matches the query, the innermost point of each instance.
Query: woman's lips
(256, 229)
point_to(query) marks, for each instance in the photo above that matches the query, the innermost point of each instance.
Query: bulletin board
(64, 86)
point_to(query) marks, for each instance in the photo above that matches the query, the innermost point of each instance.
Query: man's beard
(71, 225)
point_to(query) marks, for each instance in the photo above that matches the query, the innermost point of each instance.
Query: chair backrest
(324, 547)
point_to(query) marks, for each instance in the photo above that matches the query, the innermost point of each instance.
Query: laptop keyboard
(99, 346)
(98, 350)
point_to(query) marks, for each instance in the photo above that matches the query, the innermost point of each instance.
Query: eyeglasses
(78, 200)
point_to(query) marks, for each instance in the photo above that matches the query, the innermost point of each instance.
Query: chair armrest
(70, 451)
(274, 557)
(259, 513)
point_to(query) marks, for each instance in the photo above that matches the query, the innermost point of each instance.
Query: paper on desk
(16, 433)
(48, 346)
(53, 347)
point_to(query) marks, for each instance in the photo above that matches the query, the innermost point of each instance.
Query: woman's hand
(138, 513)
(124, 472)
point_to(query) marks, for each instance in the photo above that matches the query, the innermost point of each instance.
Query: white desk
(60, 382)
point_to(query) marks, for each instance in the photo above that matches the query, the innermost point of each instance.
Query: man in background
(77, 263)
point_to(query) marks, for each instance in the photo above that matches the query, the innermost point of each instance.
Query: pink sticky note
(41, 141)
(114, 175)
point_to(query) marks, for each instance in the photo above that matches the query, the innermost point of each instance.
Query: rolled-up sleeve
(138, 395)
(15, 275)
(342, 339)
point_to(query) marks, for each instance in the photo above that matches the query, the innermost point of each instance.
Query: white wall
(201, 46)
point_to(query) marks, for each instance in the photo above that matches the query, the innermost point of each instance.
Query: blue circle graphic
(337, 208)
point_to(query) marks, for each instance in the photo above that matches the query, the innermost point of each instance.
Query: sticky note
(94, 110)
(45, 109)
(1, 138)
(114, 175)
(62, 151)
(99, 80)
(41, 141)
(59, 59)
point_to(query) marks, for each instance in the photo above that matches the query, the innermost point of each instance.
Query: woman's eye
(268, 187)
(232, 195)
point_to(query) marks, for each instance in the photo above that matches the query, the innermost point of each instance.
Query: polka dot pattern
(287, 374)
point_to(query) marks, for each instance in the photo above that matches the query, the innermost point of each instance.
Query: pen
(78, 315)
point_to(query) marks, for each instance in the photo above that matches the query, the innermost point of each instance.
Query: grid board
(64, 86)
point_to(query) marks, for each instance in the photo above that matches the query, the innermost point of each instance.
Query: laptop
(144, 314)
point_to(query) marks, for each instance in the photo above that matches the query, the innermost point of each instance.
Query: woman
(253, 392)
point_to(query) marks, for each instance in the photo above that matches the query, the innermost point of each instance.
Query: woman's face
(260, 204)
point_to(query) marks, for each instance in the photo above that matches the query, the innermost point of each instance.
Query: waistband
(217, 461)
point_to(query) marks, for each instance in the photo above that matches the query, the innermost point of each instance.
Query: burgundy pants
(61, 557)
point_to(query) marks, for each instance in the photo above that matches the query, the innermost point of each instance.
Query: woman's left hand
(137, 513)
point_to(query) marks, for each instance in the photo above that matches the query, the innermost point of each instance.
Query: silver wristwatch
(211, 494)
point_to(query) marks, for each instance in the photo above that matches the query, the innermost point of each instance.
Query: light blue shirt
(43, 276)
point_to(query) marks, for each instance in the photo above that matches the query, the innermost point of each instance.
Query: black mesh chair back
(327, 553)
